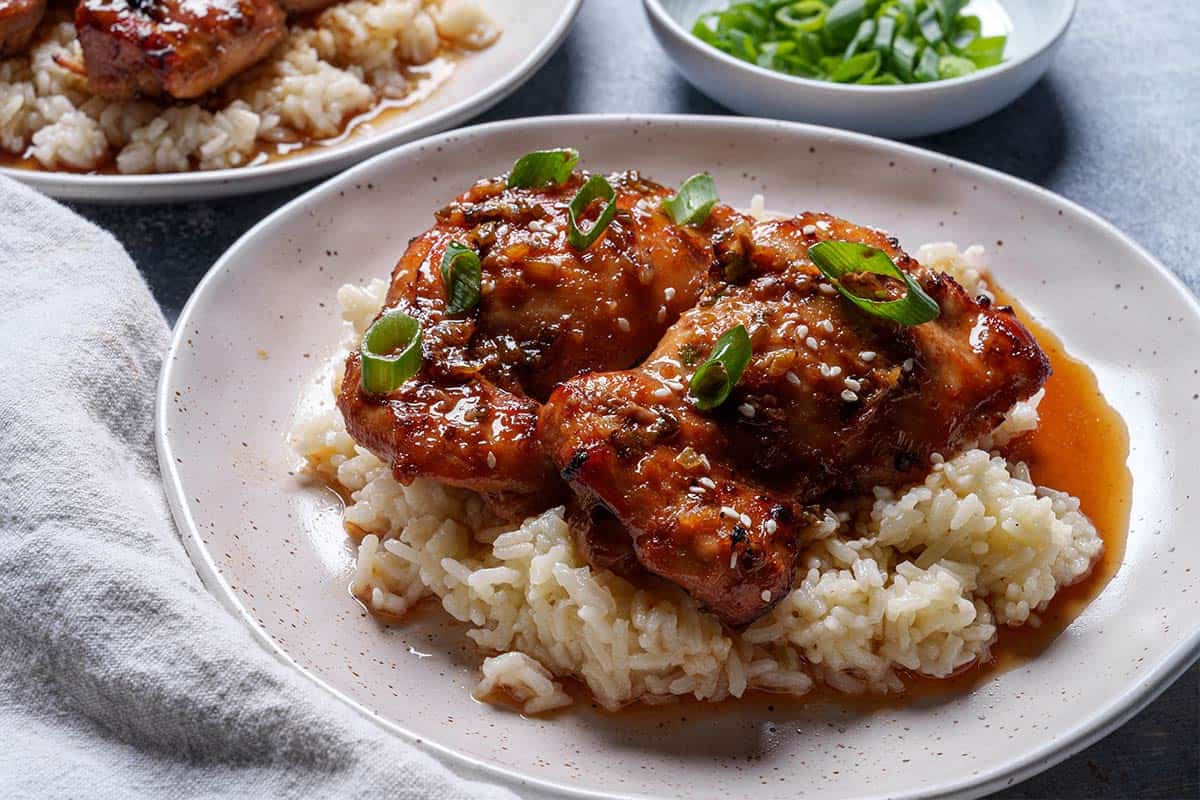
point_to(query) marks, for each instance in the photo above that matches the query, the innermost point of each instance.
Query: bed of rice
(916, 580)
(352, 57)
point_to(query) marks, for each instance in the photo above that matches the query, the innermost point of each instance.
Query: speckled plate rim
(1101, 722)
(200, 185)
(664, 17)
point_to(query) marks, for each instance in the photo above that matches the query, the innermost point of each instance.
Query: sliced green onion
(904, 57)
(391, 352)
(805, 16)
(885, 32)
(866, 31)
(462, 274)
(843, 20)
(857, 69)
(985, 52)
(714, 380)
(596, 188)
(927, 65)
(931, 26)
(948, 12)
(837, 259)
(955, 67)
(694, 201)
(543, 168)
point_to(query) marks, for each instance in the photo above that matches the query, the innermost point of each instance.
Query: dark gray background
(1114, 126)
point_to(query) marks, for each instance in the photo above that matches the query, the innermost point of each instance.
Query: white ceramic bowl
(272, 546)
(531, 30)
(1035, 30)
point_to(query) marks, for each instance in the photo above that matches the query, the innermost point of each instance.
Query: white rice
(355, 55)
(917, 581)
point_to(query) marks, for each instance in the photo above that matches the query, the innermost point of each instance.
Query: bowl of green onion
(897, 68)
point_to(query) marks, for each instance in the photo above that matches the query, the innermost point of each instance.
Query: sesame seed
(907, 365)
(662, 314)
(802, 331)
(811, 342)
(708, 482)
(704, 461)
(809, 230)
(835, 371)
(771, 526)
(823, 368)
(491, 459)
(793, 378)
(747, 410)
(852, 384)
(731, 513)
(732, 558)
(867, 355)
(669, 293)
(827, 288)
(623, 324)
(745, 520)
(826, 325)
(696, 489)
(849, 396)
(661, 392)
(766, 595)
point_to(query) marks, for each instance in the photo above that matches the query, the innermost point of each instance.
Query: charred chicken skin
(178, 48)
(833, 400)
(18, 20)
(547, 312)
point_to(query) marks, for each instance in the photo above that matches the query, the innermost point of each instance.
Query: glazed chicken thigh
(833, 400)
(547, 312)
(179, 48)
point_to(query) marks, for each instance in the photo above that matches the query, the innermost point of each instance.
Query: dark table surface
(1114, 126)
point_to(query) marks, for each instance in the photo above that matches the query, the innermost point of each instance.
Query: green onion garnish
(838, 259)
(461, 273)
(805, 16)
(714, 380)
(596, 188)
(868, 42)
(694, 201)
(543, 168)
(391, 352)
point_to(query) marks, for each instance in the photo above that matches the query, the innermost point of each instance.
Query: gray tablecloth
(1114, 126)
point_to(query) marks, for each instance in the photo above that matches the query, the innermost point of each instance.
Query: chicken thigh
(547, 312)
(179, 48)
(833, 400)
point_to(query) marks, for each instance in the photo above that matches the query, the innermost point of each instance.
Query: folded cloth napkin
(120, 676)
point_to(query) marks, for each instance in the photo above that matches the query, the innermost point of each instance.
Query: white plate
(273, 549)
(531, 30)
(1035, 29)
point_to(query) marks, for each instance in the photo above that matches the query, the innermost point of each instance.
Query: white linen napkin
(120, 676)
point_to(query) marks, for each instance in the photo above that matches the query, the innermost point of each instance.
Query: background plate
(272, 548)
(531, 30)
